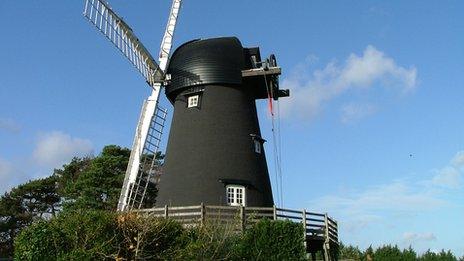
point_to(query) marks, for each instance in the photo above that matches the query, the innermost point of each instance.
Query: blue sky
(373, 132)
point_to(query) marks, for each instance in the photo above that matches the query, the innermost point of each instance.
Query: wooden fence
(317, 227)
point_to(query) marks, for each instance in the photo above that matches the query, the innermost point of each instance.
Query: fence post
(242, 218)
(202, 211)
(166, 211)
(326, 241)
(274, 212)
(304, 228)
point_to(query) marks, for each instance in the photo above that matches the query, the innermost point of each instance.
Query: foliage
(40, 241)
(39, 197)
(213, 241)
(97, 234)
(89, 234)
(388, 252)
(31, 201)
(273, 240)
(441, 256)
(349, 252)
(82, 184)
(99, 183)
(147, 237)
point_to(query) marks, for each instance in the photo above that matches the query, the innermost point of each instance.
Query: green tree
(441, 256)
(40, 197)
(409, 254)
(349, 252)
(83, 183)
(24, 204)
(13, 218)
(387, 253)
(98, 184)
(368, 254)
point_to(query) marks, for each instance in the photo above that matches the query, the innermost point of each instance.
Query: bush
(146, 237)
(97, 235)
(76, 235)
(273, 240)
(40, 241)
(213, 241)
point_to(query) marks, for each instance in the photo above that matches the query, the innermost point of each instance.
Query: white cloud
(9, 125)
(309, 93)
(449, 176)
(398, 196)
(458, 160)
(56, 148)
(411, 237)
(353, 112)
(403, 198)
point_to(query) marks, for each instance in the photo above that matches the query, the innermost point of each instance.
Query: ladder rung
(160, 116)
(153, 152)
(161, 123)
(158, 131)
(157, 137)
(151, 143)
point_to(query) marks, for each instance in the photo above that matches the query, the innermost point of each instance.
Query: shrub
(40, 241)
(76, 235)
(92, 232)
(147, 237)
(273, 240)
(214, 240)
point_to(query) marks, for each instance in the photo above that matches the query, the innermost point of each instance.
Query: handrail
(317, 226)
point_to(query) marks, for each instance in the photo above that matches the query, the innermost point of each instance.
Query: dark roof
(209, 61)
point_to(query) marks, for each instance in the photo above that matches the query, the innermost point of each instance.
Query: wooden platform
(320, 230)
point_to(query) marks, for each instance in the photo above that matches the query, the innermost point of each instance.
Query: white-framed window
(235, 195)
(193, 101)
(257, 144)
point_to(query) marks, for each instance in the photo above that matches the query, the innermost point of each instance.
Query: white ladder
(149, 169)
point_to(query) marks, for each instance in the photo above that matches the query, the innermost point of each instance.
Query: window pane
(192, 101)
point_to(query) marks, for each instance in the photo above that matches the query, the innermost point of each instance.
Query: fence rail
(317, 226)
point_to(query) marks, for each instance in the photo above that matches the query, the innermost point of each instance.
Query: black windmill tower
(215, 151)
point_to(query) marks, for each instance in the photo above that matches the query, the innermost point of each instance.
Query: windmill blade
(100, 14)
(166, 43)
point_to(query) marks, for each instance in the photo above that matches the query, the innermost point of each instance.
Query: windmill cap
(208, 61)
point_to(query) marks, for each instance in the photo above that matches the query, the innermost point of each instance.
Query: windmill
(142, 167)
(215, 153)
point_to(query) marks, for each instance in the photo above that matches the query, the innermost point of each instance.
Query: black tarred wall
(211, 146)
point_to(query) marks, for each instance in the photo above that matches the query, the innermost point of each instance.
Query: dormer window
(193, 101)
